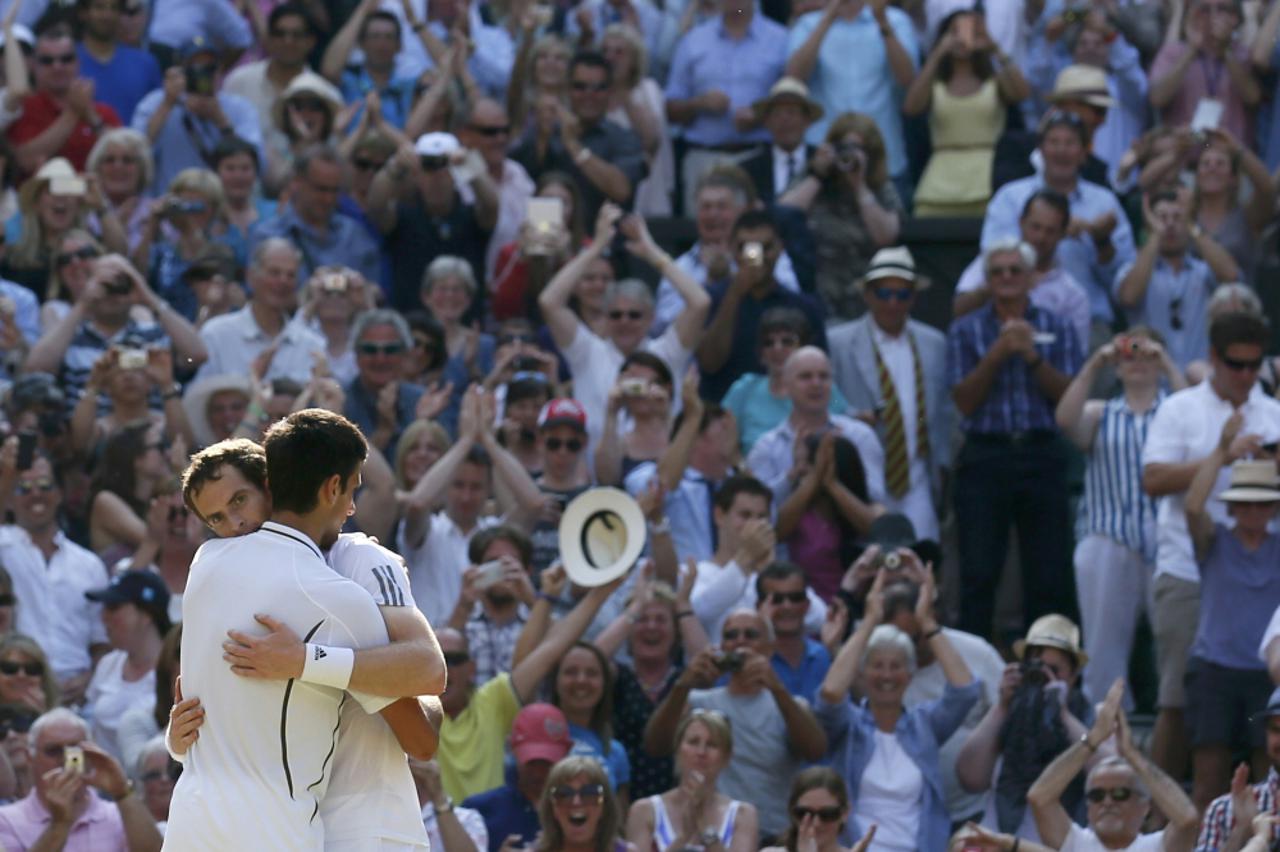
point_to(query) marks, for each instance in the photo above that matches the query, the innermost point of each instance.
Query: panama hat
(1082, 83)
(308, 83)
(789, 88)
(195, 402)
(601, 535)
(1053, 631)
(893, 262)
(1252, 481)
(55, 172)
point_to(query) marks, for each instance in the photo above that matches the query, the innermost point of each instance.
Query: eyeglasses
(888, 294)
(61, 59)
(291, 35)
(788, 597)
(823, 814)
(592, 88)
(309, 104)
(554, 445)
(733, 634)
(585, 792)
(63, 258)
(634, 316)
(788, 340)
(1240, 366)
(492, 130)
(1098, 795)
(1061, 116)
(43, 484)
(32, 669)
(379, 348)
(1175, 314)
(18, 723)
(456, 658)
(365, 165)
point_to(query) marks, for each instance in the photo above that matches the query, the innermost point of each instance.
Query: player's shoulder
(378, 569)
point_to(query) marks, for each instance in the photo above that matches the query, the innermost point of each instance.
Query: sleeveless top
(1114, 503)
(664, 834)
(964, 129)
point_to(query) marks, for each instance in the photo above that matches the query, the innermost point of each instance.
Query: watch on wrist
(709, 836)
(446, 806)
(1084, 741)
(128, 791)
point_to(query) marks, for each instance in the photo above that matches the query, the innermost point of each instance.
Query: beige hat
(1252, 481)
(195, 402)
(789, 87)
(308, 83)
(1053, 631)
(601, 535)
(53, 173)
(1082, 83)
(892, 262)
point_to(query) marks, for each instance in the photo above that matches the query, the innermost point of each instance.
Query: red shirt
(40, 110)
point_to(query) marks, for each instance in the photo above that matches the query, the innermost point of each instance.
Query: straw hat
(1082, 83)
(789, 88)
(893, 262)
(601, 535)
(1252, 481)
(1053, 631)
(195, 402)
(56, 169)
(308, 83)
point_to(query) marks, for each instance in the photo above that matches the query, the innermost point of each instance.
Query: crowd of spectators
(1009, 581)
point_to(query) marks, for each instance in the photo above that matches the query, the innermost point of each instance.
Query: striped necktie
(897, 467)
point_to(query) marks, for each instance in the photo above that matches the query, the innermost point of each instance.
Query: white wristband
(326, 665)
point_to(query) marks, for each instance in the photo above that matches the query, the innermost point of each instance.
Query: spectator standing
(1012, 468)
(493, 614)
(378, 35)
(638, 103)
(782, 596)
(894, 367)
(122, 163)
(122, 74)
(175, 22)
(484, 126)
(1217, 205)
(785, 115)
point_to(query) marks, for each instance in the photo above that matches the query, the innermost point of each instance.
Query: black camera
(119, 286)
(201, 77)
(730, 662)
(1035, 673)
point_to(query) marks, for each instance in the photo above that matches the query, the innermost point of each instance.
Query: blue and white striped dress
(1114, 503)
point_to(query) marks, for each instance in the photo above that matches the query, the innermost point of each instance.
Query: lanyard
(1211, 80)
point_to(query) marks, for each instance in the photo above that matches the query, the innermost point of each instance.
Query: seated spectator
(237, 164)
(312, 222)
(1224, 80)
(966, 96)
(492, 612)
(891, 750)
(121, 161)
(155, 776)
(819, 808)
(73, 265)
(1130, 781)
(522, 268)
(237, 339)
(853, 207)
(641, 398)
(775, 731)
(758, 401)
(561, 441)
(63, 803)
(121, 74)
(744, 546)
(1107, 49)
(577, 810)
(146, 719)
(60, 118)
(1217, 207)
(450, 827)
(1167, 287)
(377, 34)
(414, 202)
(1115, 554)
(333, 299)
(1229, 820)
(637, 103)
(694, 811)
(26, 678)
(1225, 678)
(376, 399)
(7, 603)
(582, 687)
(183, 225)
(135, 611)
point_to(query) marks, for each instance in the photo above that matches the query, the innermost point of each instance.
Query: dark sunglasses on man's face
(366, 165)
(823, 814)
(1098, 795)
(787, 597)
(456, 658)
(492, 130)
(634, 316)
(733, 634)
(1236, 365)
(888, 294)
(19, 723)
(554, 445)
(591, 88)
(60, 59)
(379, 348)
(433, 164)
(32, 669)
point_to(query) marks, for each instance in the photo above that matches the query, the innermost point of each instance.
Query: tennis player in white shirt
(371, 803)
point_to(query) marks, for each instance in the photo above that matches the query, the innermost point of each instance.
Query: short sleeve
(375, 569)
(1272, 631)
(1165, 442)
(497, 705)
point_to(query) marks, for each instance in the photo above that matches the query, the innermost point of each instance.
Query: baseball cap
(540, 732)
(563, 412)
(1272, 709)
(436, 144)
(143, 589)
(195, 46)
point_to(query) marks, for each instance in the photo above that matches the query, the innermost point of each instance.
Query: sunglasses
(456, 658)
(788, 597)
(61, 59)
(291, 35)
(492, 130)
(554, 445)
(1239, 366)
(42, 484)
(63, 258)
(631, 315)
(1062, 116)
(1098, 795)
(433, 164)
(594, 88)
(19, 723)
(33, 669)
(888, 294)
(788, 340)
(1001, 271)
(823, 814)
(162, 445)
(733, 634)
(585, 792)
(364, 165)
(379, 348)
(308, 104)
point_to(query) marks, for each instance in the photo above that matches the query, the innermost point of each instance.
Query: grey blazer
(853, 367)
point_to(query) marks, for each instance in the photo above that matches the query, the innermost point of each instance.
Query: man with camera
(774, 732)
(187, 117)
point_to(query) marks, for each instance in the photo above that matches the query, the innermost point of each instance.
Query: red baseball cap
(563, 412)
(540, 732)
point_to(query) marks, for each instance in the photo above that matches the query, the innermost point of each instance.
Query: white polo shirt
(52, 608)
(773, 456)
(234, 340)
(1186, 428)
(257, 774)
(371, 793)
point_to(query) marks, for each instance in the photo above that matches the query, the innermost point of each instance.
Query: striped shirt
(88, 345)
(1220, 817)
(1114, 503)
(1015, 402)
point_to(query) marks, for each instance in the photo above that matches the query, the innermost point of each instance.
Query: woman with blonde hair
(421, 445)
(72, 265)
(541, 67)
(122, 163)
(638, 103)
(853, 207)
(578, 812)
(26, 677)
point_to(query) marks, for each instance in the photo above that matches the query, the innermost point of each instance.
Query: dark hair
(115, 472)
(577, 230)
(285, 10)
(980, 60)
(1164, 194)
(652, 362)
(899, 596)
(780, 570)
(230, 146)
(813, 778)
(779, 319)
(304, 451)
(711, 412)
(380, 15)
(420, 320)
(206, 466)
(166, 670)
(285, 386)
(849, 469)
(1052, 198)
(592, 59)
(1063, 118)
(1238, 327)
(602, 715)
(534, 386)
(752, 219)
(481, 541)
(478, 456)
(742, 484)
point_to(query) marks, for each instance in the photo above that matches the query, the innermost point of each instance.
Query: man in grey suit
(894, 369)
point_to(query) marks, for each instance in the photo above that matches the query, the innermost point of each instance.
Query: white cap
(436, 144)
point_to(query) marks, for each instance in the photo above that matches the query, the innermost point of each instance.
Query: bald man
(486, 129)
(790, 456)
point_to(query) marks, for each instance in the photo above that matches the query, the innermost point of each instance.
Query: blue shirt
(1239, 592)
(756, 410)
(708, 57)
(185, 140)
(174, 22)
(362, 409)
(26, 309)
(344, 243)
(586, 743)
(804, 680)
(1077, 255)
(1015, 402)
(396, 97)
(1176, 304)
(851, 74)
(688, 508)
(123, 81)
(506, 811)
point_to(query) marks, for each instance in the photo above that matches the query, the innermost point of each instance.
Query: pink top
(99, 828)
(815, 547)
(1205, 78)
